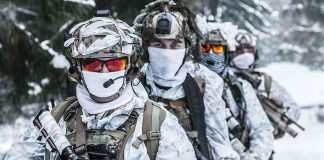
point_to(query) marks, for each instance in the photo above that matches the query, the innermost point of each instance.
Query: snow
(293, 7)
(255, 12)
(59, 61)
(286, 47)
(35, 88)
(45, 81)
(308, 144)
(85, 2)
(21, 26)
(10, 132)
(26, 11)
(65, 25)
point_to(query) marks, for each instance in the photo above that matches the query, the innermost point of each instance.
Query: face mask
(215, 62)
(164, 66)
(243, 61)
(94, 82)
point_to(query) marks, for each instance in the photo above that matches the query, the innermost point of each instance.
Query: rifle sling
(197, 112)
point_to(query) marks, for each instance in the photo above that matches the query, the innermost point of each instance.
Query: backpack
(194, 122)
(82, 140)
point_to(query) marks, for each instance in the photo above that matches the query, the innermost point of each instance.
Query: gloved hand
(249, 157)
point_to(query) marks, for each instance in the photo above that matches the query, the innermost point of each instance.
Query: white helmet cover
(102, 37)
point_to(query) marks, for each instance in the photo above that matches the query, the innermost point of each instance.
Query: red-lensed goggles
(217, 49)
(96, 65)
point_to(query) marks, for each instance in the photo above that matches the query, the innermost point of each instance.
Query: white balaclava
(165, 66)
(243, 61)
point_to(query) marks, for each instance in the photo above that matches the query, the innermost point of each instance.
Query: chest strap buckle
(150, 135)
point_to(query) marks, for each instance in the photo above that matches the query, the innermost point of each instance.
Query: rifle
(199, 154)
(272, 107)
(254, 81)
(54, 137)
(276, 115)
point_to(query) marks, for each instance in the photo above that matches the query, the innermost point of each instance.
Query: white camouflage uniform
(216, 127)
(260, 129)
(173, 143)
(278, 92)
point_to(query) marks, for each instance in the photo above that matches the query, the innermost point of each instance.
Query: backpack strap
(81, 138)
(130, 126)
(153, 118)
(197, 113)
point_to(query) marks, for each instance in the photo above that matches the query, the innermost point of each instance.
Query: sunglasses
(217, 49)
(95, 65)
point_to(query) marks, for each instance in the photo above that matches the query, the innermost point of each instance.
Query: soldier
(250, 130)
(111, 116)
(270, 92)
(187, 89)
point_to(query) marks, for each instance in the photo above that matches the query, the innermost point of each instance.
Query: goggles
(217, 49)
(96, 65)
(244, 50)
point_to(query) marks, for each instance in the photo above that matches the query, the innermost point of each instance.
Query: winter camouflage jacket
(260, 129)
(278, 92)
(173, 143)
(216, 127)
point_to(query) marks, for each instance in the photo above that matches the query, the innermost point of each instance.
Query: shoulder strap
(142, 78)
(152, 121)
(153, 118)
(59, 110)
(80, 139)
(267, 82)
(197, 112)
(130, 126)
(236, 89)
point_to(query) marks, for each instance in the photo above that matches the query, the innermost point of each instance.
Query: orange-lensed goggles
(217, 49)
(95, 65)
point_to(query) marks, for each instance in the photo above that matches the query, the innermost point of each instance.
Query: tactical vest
(109, 145)
(241, 131)
(190, 114)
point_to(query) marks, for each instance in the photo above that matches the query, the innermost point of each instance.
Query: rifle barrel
(275, 118)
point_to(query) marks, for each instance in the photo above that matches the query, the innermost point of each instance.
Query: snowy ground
(10, 132)
(304, 85)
